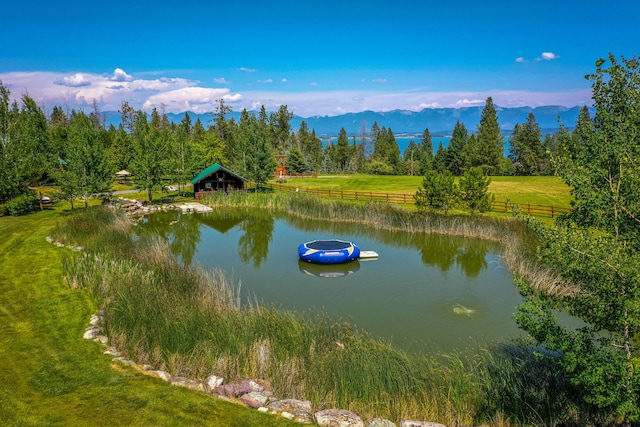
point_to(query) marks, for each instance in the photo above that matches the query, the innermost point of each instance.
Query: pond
(424, 293)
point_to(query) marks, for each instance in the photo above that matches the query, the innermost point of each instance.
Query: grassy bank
(51, 376)
(544, 190)
(191, 323)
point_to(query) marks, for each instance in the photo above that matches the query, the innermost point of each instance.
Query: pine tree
(490, 141)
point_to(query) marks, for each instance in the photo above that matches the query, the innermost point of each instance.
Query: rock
(95, 320)
(254, 399)
(213, 382)
(287, 415)
(163, 375)
(233, 390)
(338, 418)
(381, 422)
(250, 385)
(124, 361)
(146, 367)
(92, 333)
(112, 351)
(300, 409)
(49, 239)
(188, 383)
(102, 339)
(411, 423)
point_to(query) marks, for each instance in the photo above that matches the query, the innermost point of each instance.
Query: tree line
(77, 152)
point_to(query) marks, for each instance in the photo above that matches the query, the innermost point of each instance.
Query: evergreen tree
(490, 141)
(474, 190)
(438, 191)
(426, 152)
(260, 161)
(280, 128)
(527, 152)
(439, 163)
(342, 152)
(296, 162)
(457, 161)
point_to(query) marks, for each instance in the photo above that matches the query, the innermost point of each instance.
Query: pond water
(423, 293)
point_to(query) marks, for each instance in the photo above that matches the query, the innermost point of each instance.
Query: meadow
(52, 376)
(543, 190)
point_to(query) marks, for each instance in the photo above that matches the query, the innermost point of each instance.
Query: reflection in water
(424, 292)
(254, 244)
(436, 250)
(329, 271)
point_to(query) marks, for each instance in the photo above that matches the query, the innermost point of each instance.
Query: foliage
(85, 170)
(22, 204)
(490, 142)
(527, 151)
(597, 249)
(151, 142)
(296, 162)
(25, 149)
(474, 190)
(602, 164)
(260, 161)
(457, 160)
(600, 361)
(438, 191)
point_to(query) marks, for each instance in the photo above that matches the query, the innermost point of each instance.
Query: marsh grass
(192, 323)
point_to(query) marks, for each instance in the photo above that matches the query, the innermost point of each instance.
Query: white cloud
(77, 80)
(469, 102)
(548, 56)
(119, 75)
(313, 84)
(266, 81)
(284, 80)
(78, 91)
(196, 99)
(247, 70)
(233, 98)
(221, 80)
(379, 80)
(520, 59)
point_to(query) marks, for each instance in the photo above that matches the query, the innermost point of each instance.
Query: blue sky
(318, 57)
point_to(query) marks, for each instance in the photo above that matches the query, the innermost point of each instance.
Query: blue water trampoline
(328, 251)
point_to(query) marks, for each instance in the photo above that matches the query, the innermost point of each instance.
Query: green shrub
(23, 204)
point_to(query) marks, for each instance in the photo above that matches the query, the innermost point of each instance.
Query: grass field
(543, 190)
(50, 375)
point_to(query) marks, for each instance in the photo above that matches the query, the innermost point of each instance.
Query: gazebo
(216, 178)
(123, 175)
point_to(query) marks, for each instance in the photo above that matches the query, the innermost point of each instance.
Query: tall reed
(192, 323)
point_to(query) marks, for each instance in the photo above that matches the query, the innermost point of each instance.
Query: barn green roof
(212, 169)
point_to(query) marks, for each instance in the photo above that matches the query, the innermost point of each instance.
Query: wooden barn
(216, 178)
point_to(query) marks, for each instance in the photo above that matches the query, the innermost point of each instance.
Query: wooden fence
(403, 198)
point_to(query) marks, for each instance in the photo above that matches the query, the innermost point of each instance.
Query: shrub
(23, 204)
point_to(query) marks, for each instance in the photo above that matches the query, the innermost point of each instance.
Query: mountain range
(439, 121)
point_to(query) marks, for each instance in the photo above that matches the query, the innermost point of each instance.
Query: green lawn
(50, 375)
(544, 190)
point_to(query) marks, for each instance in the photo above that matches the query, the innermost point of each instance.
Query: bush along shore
(191, 324)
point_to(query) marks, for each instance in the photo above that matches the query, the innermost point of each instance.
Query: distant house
(216, 178)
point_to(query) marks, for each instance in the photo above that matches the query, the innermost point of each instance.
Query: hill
(439, 121)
